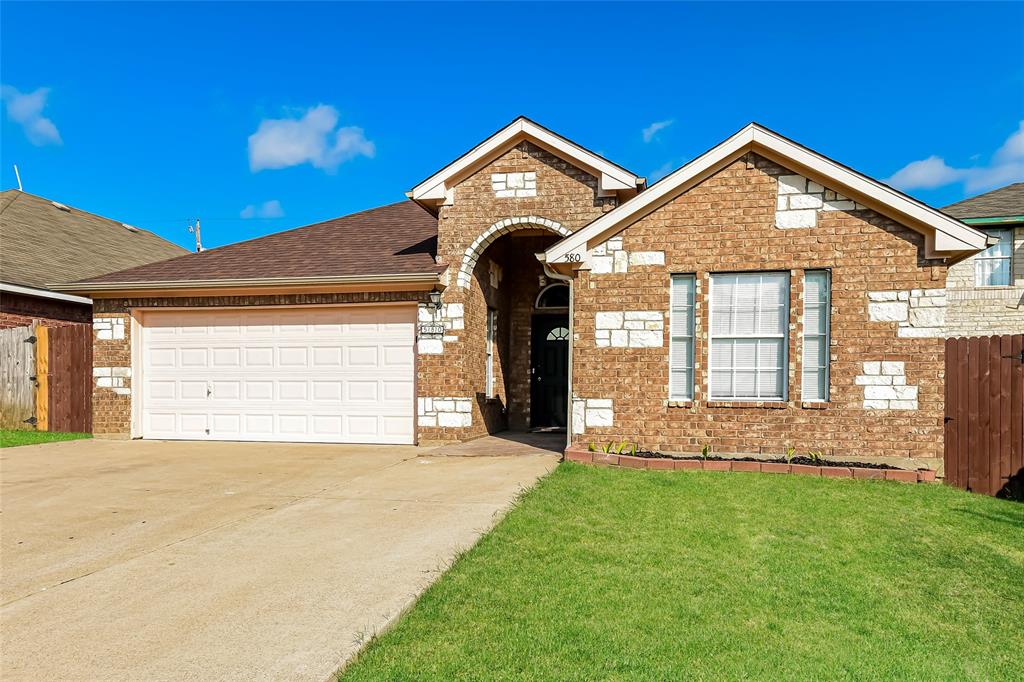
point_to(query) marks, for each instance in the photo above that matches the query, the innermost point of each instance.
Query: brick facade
(729, 223)
(559, 194)
(888, 314)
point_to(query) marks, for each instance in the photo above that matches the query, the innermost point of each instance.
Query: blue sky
(260, 117)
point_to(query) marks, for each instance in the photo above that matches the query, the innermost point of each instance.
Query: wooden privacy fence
(47, 378)
(984, 431)
(17, 388)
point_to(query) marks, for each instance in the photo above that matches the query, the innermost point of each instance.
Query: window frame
(981, 257)
(827, 307)
(784, 362)
(672, 364)
(492, 328)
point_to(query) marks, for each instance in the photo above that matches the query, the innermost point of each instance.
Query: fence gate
(984, 432)
(17, 378)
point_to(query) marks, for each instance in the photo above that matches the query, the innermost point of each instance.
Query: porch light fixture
(435, 299)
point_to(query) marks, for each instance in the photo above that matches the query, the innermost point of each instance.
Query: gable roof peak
(613, 179)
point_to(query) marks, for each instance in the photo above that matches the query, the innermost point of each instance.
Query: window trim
(828, 338)
(540, 296)
(492, 328)
(784, 366)
(692, 336)
(981, 257)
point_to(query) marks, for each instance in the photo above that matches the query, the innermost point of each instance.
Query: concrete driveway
(175, 560)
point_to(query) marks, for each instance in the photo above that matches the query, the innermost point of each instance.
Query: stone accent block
(514, 185)
(108, 328)
(885, 387)
(629, 329)
(800, 199)
(920, 313)
(588, 412)
(451, 412)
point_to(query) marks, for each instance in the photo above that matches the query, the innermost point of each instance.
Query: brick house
(986, 291)
(758, 298)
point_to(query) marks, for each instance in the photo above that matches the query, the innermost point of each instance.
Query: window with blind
(749, 321)
(681, 350)
(992, 266)
(817, 308)
(492, 318)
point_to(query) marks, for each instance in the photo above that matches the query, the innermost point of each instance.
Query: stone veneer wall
(556, 192)
(983, 311)
(112, 343)
(730, 223)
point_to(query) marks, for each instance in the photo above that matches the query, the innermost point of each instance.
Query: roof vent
(130, 228)
(61, 206)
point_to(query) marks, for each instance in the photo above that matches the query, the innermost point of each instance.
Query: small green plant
(790, 453)
(816, 456)
(591, 447)
(606, 448)
(705, 451)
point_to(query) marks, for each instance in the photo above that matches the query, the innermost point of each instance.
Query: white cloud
(27, 111)
(650, 131)
(1007, 166)
(313, 139)
(924, 174)
(268, 209)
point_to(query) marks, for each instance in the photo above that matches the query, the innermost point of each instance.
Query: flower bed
(803, 466)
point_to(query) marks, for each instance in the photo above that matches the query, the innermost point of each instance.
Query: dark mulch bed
(648, 454)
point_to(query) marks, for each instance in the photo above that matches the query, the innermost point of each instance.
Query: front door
(549, 362)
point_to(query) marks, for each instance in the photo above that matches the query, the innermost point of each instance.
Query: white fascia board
(951, 234)
(946, 233)
(43, 293)
(612, 178)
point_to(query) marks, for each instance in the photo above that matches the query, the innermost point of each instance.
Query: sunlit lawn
(602, 573)
(11, 439)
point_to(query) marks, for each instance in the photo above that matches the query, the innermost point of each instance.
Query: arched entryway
(523, 320)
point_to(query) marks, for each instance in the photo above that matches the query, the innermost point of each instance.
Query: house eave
(35, 292)
(398, 281)
(946, 237)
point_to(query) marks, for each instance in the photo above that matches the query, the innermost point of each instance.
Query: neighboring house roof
(944, 236)
(393, 243)
(42, 242)
(612, 178)
(1003, 205)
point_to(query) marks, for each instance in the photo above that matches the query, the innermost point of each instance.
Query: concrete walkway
(201, 561)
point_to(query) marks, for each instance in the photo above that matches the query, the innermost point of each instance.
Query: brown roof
(43, 243)
(999, 203)
(390, 240)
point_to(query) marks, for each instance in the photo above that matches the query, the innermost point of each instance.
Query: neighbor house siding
(728, 224)
(112, 342)
(561, 194)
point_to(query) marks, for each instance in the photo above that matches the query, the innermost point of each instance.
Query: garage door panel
(311, 375)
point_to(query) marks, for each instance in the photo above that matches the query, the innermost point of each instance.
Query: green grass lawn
(602, 573)
(12, 439)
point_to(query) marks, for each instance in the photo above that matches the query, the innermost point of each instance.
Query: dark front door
(549, 362)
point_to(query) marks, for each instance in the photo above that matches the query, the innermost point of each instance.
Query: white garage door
(332, 374)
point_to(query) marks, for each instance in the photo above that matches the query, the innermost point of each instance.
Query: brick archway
(502, 227)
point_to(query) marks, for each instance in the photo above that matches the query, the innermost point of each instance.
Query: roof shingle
(999, 203)
(395, 239)
(42, 243)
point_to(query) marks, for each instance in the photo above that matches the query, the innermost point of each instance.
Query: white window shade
(749, 329)
(992, 266)
(817, 307)
(681, 349)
